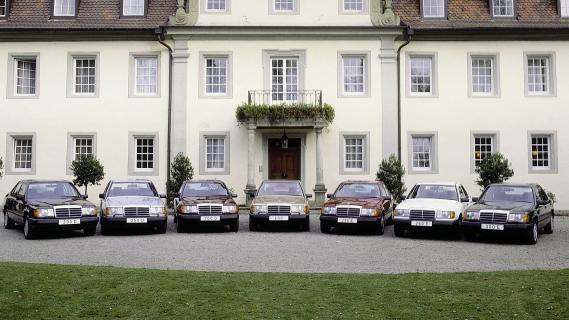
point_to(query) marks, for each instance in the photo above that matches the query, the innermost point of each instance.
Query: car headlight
(329, 211)
(441, 214)
(157, 211)
(403, 213)
(297, 208)
(188, 209)
(259, 208)
(518, 217)
(111, 211)
(88, 211)
(44, 213)
(229, 209)
(472, 215)
(370, 212)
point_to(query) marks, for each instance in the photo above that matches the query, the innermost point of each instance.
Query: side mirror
(464, 200)
(475, 199)
(542, 202)
(308, 196)
(101, 196)
(84, 196)
(162, 195)
(329, 196)
(177, 195)
(403, 197)
(252, 196)
(20, 197)
(234, 195)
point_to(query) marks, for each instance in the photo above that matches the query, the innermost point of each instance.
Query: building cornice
(29, 34)
(492, 34)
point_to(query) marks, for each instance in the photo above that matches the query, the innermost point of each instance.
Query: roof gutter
(410, 32)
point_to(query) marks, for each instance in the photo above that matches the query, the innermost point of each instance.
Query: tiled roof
(92, 15)
(475, 14)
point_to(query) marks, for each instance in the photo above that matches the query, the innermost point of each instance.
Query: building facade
(439, 83)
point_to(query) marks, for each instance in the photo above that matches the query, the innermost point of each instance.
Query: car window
(542, 194)
(51, 190)
(462, 192)
(204, 189)
(508, 194)
(384, 190)
(131, 189)
(434, 191)
(16, 189)
(22, 190)
(358, 190)
(280, 189)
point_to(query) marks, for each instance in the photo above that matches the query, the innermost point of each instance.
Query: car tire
(381, 228)
(549, 227)
(305, 226)
(532, 234)
(325, 227)
(234, 227)
(253, 226)
(106, 229)
(8, 223)
(399, 231)
(29, 230)
(162, 228)
(390, 220)
(180, 226)
(90, 231)
(469, 235)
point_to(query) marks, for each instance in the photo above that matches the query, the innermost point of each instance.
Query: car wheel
(253, 225)
(162, 228)
(381, 228)
(29, 230)
(8, 223)
(399, 231)
(234, 227)
(390, 220)
(549, 227)
(325, 227)
(469, 235)
(90, 231)
(106, 229)
(533, 234)
(180, 226)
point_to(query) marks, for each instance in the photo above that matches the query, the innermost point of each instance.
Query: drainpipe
(161, 37)
(410, 33)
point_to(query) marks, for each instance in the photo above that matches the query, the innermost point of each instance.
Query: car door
(387, 202)
(545, 211)
(462, 195)
(20, 203)
(10, 202)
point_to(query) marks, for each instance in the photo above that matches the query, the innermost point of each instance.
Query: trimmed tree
(494, 168)
(391, 173)
(181, 170)
(1, 167)
(87, 170)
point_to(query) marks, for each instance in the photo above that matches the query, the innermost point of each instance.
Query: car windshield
(204, 189)
(508, 194)
(131, 189)
(52, 190)
(358, 190)
(280, 189)
(434, 191)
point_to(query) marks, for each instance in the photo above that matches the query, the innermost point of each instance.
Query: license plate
(278, 218)
(210, 218)
(498, 227)
(136, 220)
(422, 223)
(347, 220)
(67, 222)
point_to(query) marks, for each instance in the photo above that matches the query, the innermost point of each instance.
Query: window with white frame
(146, 75)
(284, 80)
(83, 146)
(23, 154)
(133, 7)
(354, 74)
(354, 152)
(422, 153)
(25, 76)
(3, 8)
(538, 74)
(84, 75)
(216, 5)
(64, 8)
(433, 8)
(144, 153)
(564, 8)
(482, 73)
(353, 5)
(421, 75)
(541, 152)
(214, 153)
(503, 8)
(483, 147)
(216, 71)
(284, 5)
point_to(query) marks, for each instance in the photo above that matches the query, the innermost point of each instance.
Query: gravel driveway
(281, 251)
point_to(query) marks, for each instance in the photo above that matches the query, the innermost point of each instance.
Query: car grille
(278, 209)
(136, 211)
(68, 212)
(348, 211)
(493, 217)
(210, 209)
(427, 215)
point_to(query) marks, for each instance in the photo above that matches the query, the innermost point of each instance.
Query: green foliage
(391, 173)
(181, 170)
(282, 112)
(1, 166)
(87, 171)
(494, 168)
(552, 196)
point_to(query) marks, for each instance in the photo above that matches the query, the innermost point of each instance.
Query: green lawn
(30, 291)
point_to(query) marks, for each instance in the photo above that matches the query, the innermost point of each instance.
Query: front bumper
(406, 223)
(292, 218)
(224, 219)
(476, 226)
(122, 221)
(333, 220)
(85, 222)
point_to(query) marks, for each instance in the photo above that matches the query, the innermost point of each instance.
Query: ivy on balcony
(247, 113)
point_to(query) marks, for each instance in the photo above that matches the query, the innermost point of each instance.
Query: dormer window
(284, 5)
(64, 8)
(3, 8)
(133, 7)
(564, 8)
(503, 8)
(433, 8)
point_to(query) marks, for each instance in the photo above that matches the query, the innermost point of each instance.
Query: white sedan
(432, 205)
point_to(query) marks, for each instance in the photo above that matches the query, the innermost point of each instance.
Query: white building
(477, 76)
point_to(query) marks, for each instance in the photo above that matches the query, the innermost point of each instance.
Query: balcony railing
(268, 97)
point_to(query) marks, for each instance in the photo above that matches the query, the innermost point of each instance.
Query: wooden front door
(284, 163)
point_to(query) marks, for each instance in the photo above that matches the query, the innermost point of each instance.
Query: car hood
(430, 204)
(279, 199)
(204, 200)
(363, 202)
(506, 206)
(59, 202)
(134, 201)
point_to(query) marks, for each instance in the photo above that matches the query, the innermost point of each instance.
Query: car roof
(439, 183)
(204, 180)
(129, 180)
(361, 181)
(514, 184)
(281, 181)
(44, 181)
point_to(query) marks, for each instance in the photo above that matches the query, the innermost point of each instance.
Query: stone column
(250, 188)
(180, 56)
(389, 94)
(319, 188)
